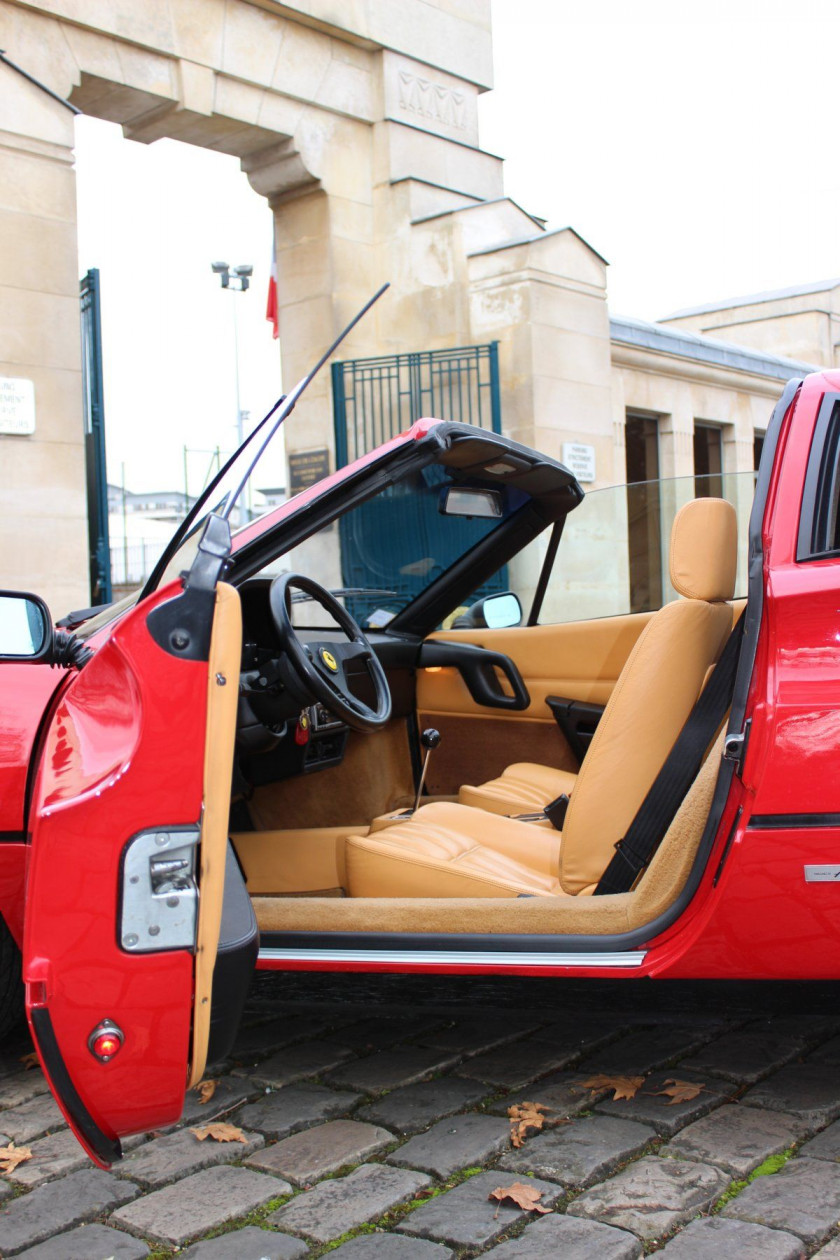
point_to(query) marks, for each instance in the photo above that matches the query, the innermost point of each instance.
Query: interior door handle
(477, 666)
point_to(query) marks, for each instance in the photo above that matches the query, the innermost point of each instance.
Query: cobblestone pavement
(374, 1126)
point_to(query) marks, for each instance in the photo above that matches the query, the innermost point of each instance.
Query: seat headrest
(704, 550)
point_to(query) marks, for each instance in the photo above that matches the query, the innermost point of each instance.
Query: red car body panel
(27, 691)
(123, 753)
(25, 695)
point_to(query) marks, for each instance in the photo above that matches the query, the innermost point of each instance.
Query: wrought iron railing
(375, 399)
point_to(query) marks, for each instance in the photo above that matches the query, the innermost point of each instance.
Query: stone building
(358, 123)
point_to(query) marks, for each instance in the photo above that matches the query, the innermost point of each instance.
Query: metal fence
(375, 399)
(132, 562)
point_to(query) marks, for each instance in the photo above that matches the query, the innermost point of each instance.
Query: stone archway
(298, 97)
(359, 125)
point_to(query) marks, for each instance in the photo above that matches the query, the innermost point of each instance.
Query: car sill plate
(454, 958)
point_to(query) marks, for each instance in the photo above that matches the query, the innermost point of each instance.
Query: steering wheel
(321, 667)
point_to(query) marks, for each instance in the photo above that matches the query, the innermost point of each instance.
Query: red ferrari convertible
(438, 712)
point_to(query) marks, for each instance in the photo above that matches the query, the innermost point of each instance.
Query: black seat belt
(680, 769)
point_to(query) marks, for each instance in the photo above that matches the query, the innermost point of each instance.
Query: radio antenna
(285, 404)
(279, 412)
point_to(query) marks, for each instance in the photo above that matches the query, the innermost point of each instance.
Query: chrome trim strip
(633, 958)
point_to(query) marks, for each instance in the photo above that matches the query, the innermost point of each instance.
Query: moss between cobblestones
(257, 1217)
(386, 1223)
(771, 1165)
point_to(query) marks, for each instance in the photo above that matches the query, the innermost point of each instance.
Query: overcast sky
(694, 146)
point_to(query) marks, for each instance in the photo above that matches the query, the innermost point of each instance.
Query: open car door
(126, 878)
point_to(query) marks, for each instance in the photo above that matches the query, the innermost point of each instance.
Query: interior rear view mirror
(470, 501)
(26, 632)
(494, 612)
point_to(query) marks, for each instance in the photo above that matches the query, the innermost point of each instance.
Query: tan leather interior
(657, 889)
(703, 558)
(519, 788)
(648, 707)
(222, 697)
(578, 660)
(303, 860)
(443, 851)
(374, 777)
(704, 550)
(474, 748)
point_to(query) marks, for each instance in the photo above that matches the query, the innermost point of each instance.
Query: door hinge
(159, 903)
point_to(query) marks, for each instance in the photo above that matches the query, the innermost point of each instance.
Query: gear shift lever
(429, 739)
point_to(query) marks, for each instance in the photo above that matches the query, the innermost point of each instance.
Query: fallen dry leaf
(220, 1132)
(205, 1091)
(29, 1060)
(11, 1156)
(527, 1197)
(622, 1086)
(679, 1091)
(525, 1116)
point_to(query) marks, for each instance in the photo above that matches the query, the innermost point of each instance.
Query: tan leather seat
(520, 789)
(525, 786)
(436, 852)
(456, 851)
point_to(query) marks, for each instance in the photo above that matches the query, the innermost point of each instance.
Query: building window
(758, 447)
(641, 440)
(708, 462)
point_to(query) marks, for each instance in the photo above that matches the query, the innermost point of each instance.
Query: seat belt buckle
(555, 811)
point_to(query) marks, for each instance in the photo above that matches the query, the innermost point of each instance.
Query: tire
(12, 1013)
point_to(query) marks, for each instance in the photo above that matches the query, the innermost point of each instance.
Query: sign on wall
(307, 467)
(17, 405)
(579, 459)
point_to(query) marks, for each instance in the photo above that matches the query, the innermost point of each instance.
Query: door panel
(578, 660)
(222, 698)
(125, 755)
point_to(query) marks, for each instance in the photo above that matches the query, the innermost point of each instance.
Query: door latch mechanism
(159, 903)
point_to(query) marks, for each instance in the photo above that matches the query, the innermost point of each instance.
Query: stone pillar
(738, 486)
(43, 529)
(544, 300)
(676, 445)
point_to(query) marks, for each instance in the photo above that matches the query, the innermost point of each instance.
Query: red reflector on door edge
(37, 991)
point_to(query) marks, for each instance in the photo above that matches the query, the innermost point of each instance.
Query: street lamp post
(237, 280)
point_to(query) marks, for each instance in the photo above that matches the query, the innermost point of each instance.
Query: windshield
(380, 555)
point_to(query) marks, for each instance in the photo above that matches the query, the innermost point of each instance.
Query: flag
(271, 312)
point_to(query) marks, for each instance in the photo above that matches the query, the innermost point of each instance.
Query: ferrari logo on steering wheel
(329, 660)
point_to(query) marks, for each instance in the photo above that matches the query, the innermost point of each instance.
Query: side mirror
(494, 612)
(26, 630)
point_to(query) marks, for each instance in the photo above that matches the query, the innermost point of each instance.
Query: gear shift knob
(429, 739)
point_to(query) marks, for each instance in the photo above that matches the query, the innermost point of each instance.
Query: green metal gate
(94, 416)
(375, 399)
